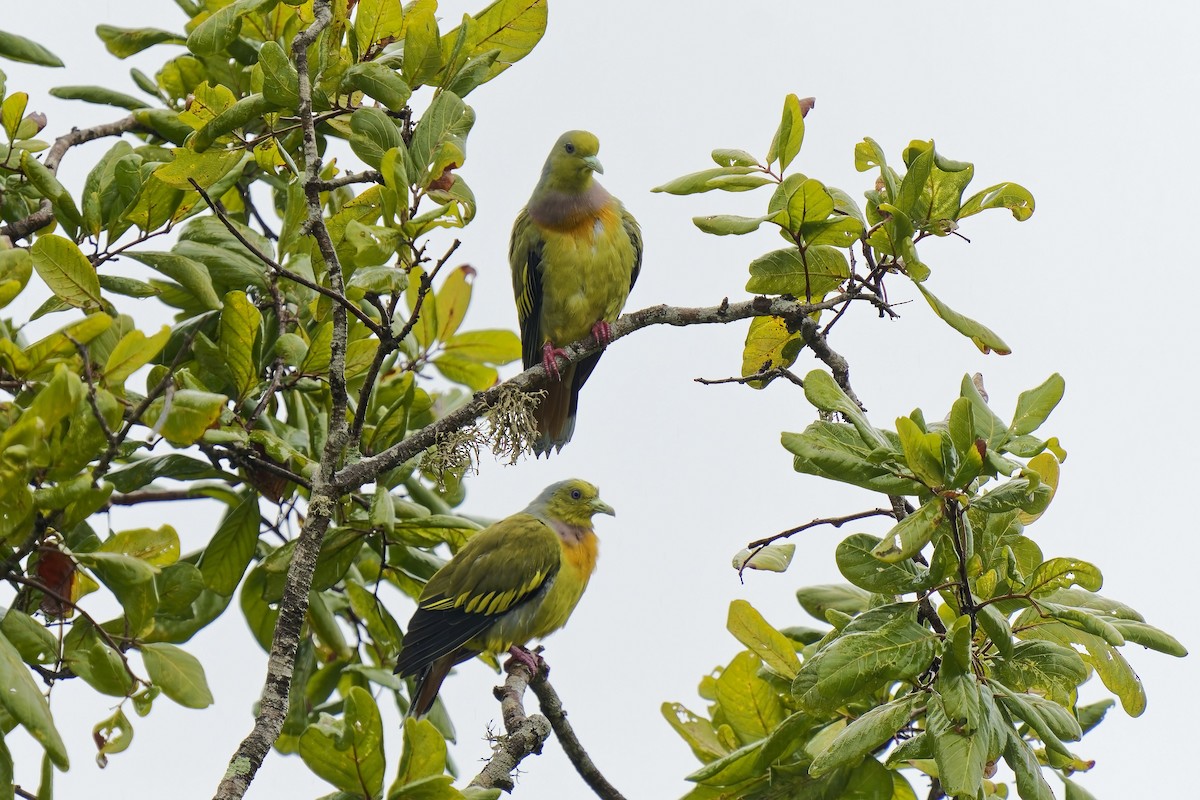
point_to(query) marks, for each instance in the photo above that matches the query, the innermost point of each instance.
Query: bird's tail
(556, 414)
(426, 685)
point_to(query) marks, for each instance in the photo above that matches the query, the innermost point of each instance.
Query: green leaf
(911, 534)
(1084, 620)
(922, 453)
(172, 465)
(373, 134)
(66, 270)
(189, 274)
(727, 157)
(731, 769)
(1019, 756)
(513, 27)
(859, 662)
(1035, 405)
(698, 732)
(221, 28)
(817, 600)
(984, 338)
(184, 416)
(32, 639)
(48, 185)
(1149, 636)
(131, 580)
(124, 42)
(245, 111)
(377, 81)
(859, 565)
(25, 703)
(837, 451)
(131, 353)
(471, 374)
(772, 558)
(158, 547)
(500, 346)
(18, 48)
(769, 345)
(422, 757)
(204, 168)
(422, 44)
(776, 650)
(823, 392)
(790, 135)
(178, 673)
(112, 735)
(1062, 573)
(95, 662)
(749, 704)
(865, 734)
(376, 23)
(240, 321)
(281, 82)
(1043, 668)
(961, 757)
(1014, 197)
(439, 140)
(98, 95)
(229, 552)
(733, 179)
(726, 224)
(452, 299)
(348, 752)
(16, 267)
(812, 273)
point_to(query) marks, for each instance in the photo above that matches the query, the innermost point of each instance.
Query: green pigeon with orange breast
(575, 254)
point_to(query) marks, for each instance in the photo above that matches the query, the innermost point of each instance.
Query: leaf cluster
(235, 402)
(955, 645)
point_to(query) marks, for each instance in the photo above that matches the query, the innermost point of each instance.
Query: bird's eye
(570, 148)
(575, 493)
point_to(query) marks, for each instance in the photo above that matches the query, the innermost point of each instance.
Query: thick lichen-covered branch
(323, 500)
(524, 734)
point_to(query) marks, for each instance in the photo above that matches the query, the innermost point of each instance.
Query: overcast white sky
(1092, 106)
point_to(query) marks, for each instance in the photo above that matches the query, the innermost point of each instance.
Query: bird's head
(573, 501)
(572, 162)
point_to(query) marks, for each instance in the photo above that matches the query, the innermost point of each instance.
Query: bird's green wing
(525, 258)
(501, 568)
(634, 231)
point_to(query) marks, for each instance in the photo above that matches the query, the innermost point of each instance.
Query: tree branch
(525, 734)
(552, 707)
(273, 705)
(356, 474)
(45, 213)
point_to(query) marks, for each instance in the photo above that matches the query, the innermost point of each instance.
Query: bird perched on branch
(514, 581)
(575, 254)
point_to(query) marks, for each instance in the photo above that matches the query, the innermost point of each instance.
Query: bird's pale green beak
(601, 507)
(594, 165)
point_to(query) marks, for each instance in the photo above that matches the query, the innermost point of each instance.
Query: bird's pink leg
(531, 659)
(603, 333)
(549, 353)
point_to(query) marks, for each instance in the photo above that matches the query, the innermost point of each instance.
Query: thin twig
(367, 176)
(758, 545)
(765, 375)
(338, 298)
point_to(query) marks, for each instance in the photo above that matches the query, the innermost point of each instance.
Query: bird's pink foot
(529, 658)
(549, 354)
(603, 333)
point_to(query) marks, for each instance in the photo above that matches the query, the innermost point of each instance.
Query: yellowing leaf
(131, 353)
(66, 270)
